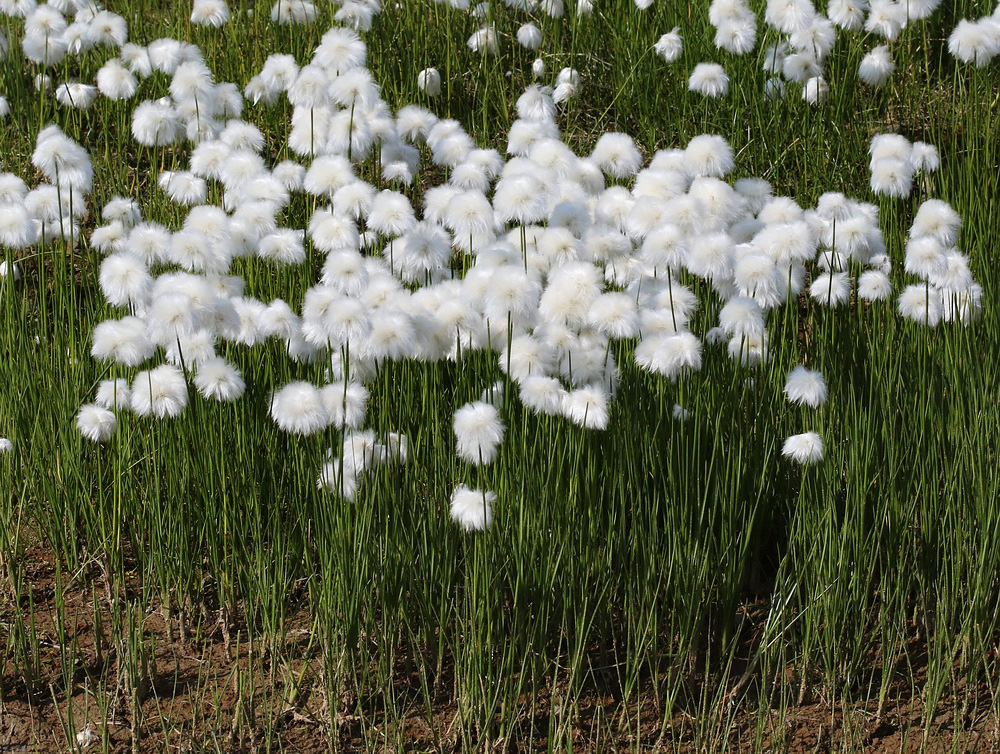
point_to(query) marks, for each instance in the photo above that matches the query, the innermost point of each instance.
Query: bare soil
(216, 689)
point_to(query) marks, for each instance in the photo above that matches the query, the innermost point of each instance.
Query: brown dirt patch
(218, 688)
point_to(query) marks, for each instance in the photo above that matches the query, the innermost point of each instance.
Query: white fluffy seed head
(874, 285)
(190, 350)
(924, 157)
(800, 67)
(920, 303)
(804, 448)
(617, 155)
(876, 67)
(774, 88)
(478, 432)
(886, 20)
(18, 229)
(849, 15)
(160, 392)
(965, 306)
(327, 174)
(391, 214)
(115, 81)
(709, 79)
(710, 256)
(339, 478)
(665, 247)
(114, 394)
(529, 36)
(741, 316)
(290, 174)
(817, 37)
(543, 395)
(340, 49)
(614, 315)
(738, 36)
(218, 379)
(974, 42)
(155, 124)
(310, 88)
(670, 355)
(483, 40)
(125, 280)
(587, 407)
(95, 423)
(12, 188)
(298, 408)
(756, 191)
(955, 275)
(284, 246)
(214, 13)
(787, 242)
(805, 387)
(892, 177)
(429, 81)
(346, 403)
(472, 509)
(524, 357)
(137, 60)
(708, 155)
(749, 349)
(936, 219)
(815, 90)
(924, 257)
(110, 238)
(889, 147)
(789, 15)
(519, 199)
(124, 341)
(184, 187)
(831, 288)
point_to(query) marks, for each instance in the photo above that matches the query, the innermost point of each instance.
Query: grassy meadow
(660, 585)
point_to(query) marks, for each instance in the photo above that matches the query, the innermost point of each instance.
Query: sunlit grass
(683, 561)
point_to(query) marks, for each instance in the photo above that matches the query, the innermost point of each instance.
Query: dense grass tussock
(487, 365)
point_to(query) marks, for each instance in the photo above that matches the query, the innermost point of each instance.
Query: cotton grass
(606, 331)
(805, 448)
(709, 79)
(472, 509)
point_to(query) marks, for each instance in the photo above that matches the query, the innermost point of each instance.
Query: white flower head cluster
(895, 161)
(562, 264)
(806, 37)
(559, 264)
(735, 25)
(54, 30)
(976, 42)
(947, 290)
(361, 453)
(53, 209)
(73, 28)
